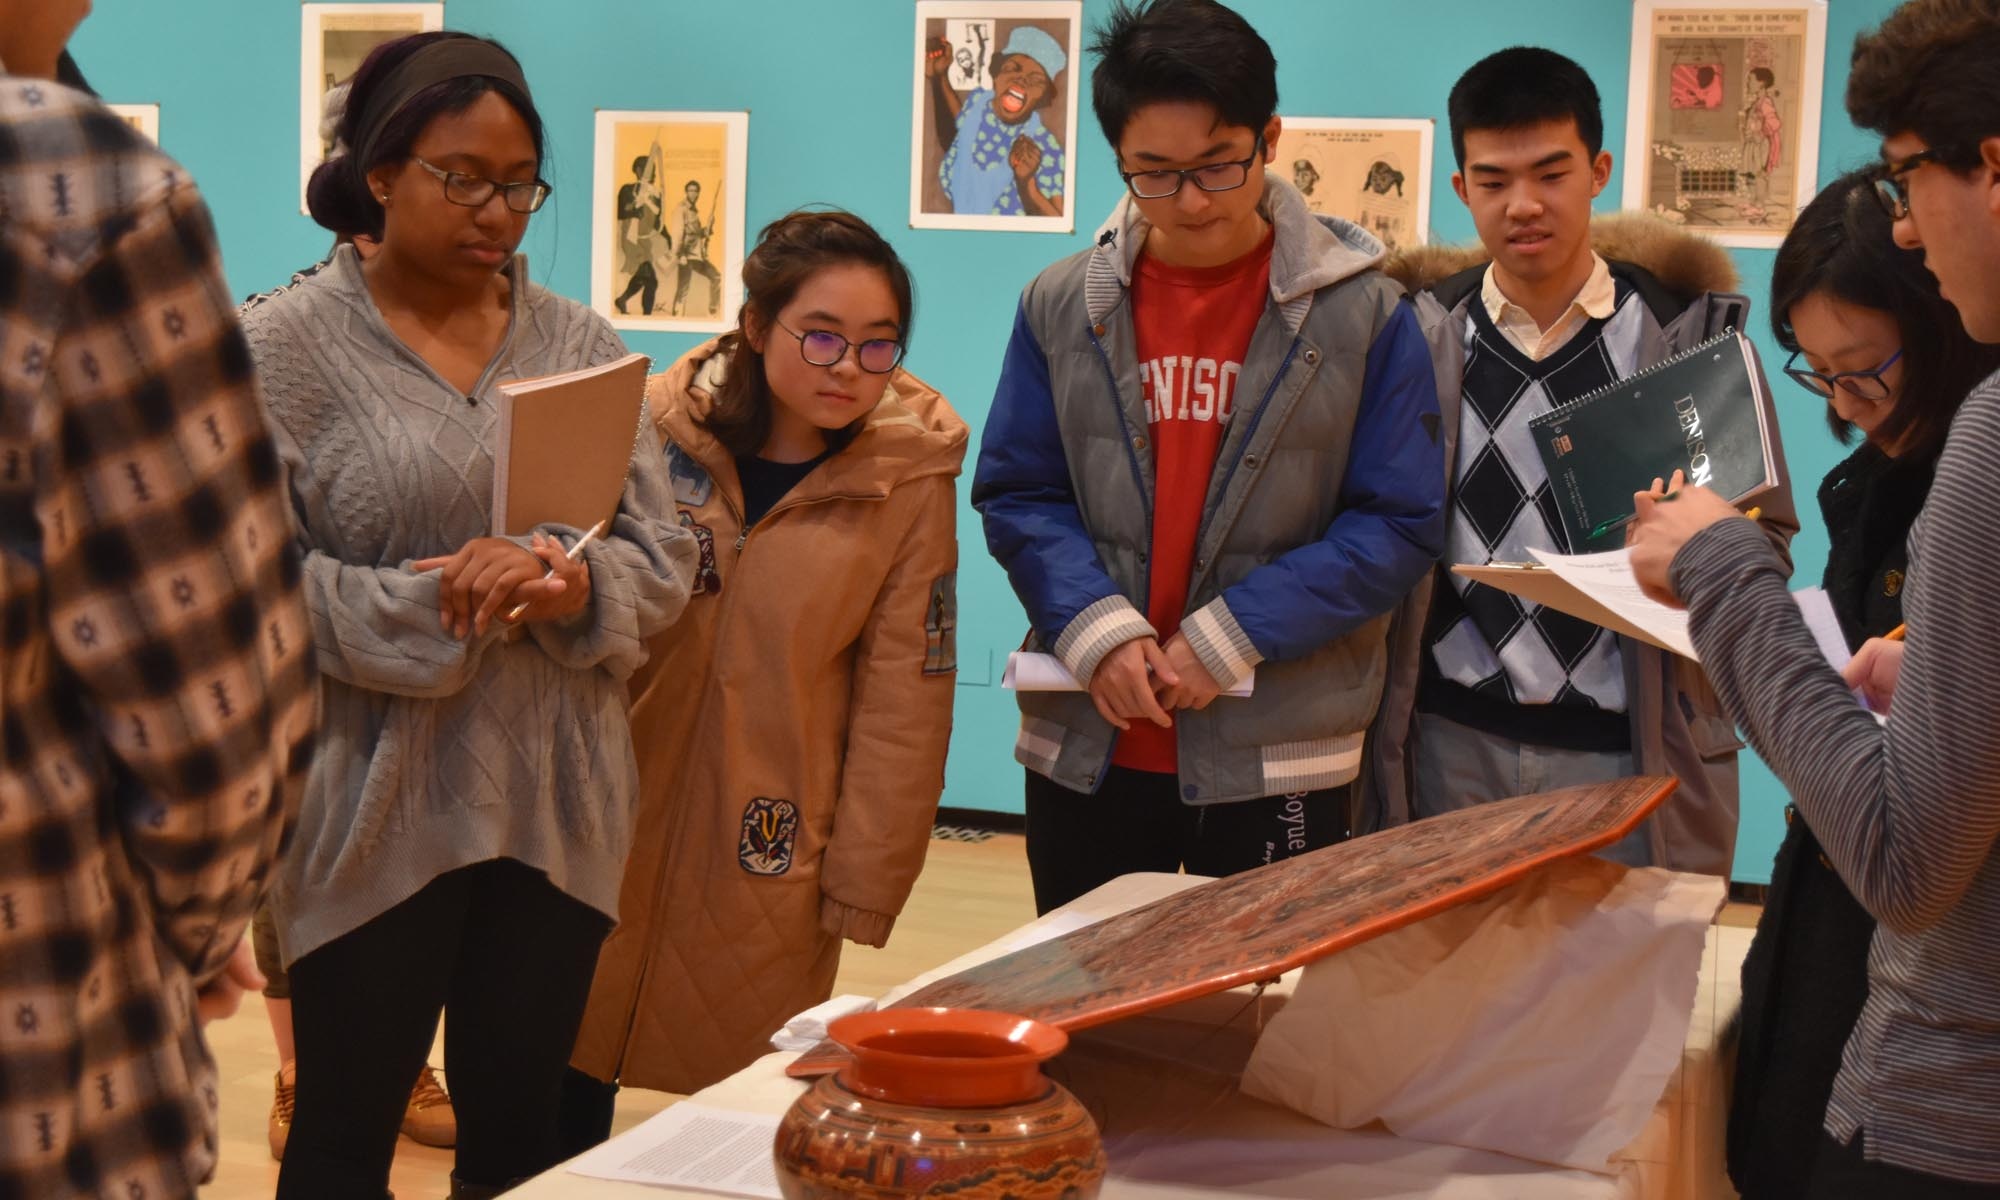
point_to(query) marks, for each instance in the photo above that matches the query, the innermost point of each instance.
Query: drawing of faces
(1020, 86)
(1383, 178)
(1304, 176)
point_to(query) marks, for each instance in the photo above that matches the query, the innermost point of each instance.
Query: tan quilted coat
(791, 734)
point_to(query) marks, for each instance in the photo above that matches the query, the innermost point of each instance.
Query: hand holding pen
(488, 572)
(568, 576)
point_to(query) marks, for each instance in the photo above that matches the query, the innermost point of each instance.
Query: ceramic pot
(940, 1102)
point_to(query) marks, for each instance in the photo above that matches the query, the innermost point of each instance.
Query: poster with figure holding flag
(667, 238)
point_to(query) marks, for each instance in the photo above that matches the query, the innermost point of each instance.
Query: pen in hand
(1754, 513)
(514, 614)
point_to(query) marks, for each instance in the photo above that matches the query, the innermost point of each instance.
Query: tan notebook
(565, 446)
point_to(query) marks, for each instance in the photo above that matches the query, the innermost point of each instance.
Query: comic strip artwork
(1723, 136)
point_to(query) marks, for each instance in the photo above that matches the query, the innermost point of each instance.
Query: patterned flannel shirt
(156, 684)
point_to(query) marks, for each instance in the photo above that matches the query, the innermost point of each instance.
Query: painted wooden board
(1262, 923)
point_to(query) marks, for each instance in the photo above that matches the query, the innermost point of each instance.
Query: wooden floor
(969, 894)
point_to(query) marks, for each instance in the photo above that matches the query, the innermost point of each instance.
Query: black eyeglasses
(824, 348)
(473, 191)
(1868, 385)
(1215, 177)
(1892, 191)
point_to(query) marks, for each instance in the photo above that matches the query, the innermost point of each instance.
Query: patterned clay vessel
(940, 1102)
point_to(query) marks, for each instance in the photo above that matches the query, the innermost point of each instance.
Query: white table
(1163, 1090)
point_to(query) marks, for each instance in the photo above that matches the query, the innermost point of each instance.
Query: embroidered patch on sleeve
(691, 481)
(941, 626)
(770, 828)
(706, 578)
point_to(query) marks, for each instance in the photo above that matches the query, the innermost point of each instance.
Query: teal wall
(827, 86)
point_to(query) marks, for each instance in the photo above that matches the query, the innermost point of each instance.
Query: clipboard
(1539, 584)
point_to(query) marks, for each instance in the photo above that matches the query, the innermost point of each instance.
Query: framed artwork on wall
(333, 41)
(1722, 129)
(667, 238)
(143, 117)
(993, 125)
(1375, 172)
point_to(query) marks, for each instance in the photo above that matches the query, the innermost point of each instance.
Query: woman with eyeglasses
(792, 729)
(459, 844)
(1871, 336)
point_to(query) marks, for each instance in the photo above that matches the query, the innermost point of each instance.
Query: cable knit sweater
(437, 753)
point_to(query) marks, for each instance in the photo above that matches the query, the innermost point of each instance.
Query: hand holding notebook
(1702, 413)
(565, 446)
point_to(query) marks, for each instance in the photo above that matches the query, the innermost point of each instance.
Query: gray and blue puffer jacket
(1326, 505)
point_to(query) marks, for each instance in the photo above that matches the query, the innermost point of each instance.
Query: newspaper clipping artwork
(1725, 115)
(1375, 173)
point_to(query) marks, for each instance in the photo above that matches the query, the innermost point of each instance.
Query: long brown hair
(790, 251)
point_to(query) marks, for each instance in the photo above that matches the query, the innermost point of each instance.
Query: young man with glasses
(1908, 812)
(1489, 696)
(1214, 454)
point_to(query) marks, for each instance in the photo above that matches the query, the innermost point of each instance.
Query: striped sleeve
(1908, 811)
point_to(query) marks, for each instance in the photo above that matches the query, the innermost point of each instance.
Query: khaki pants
(1457, 767)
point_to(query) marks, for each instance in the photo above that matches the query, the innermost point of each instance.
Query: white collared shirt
(1599, 298)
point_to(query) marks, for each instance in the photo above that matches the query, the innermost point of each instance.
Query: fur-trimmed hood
(1684, 262)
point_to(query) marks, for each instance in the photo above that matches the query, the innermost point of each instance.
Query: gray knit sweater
(437, 753)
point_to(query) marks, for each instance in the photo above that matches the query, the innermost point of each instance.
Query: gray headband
(439, 62)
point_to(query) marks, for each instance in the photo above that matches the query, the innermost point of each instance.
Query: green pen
(1615, 522)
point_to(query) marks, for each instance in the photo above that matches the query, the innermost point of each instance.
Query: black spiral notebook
(1701, 412)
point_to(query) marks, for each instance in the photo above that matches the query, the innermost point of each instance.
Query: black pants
(1841, 1173)
(588, 1104)
(646, 282)
(508, 958)
(1804, 981)
(1137, 822)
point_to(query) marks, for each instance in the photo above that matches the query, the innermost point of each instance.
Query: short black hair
(1149, 51)
(1841, 245)
(1522, 86)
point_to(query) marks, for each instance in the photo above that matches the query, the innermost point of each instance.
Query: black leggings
(1137, 822)
(508, 958)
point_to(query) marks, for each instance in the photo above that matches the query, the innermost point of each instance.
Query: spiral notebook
(1702, 412)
